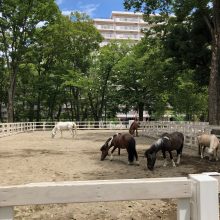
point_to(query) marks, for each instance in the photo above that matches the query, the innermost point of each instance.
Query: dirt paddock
(36, 157)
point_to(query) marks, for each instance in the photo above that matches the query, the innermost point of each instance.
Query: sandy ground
(36, 157)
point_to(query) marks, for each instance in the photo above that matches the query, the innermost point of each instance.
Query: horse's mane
(154, 147)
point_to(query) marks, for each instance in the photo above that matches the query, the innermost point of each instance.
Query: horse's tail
(132, 150)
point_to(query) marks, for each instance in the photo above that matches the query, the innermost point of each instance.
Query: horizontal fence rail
(197, 196)
(95, 191)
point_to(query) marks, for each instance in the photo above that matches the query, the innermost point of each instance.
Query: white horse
(209, 141)
(61, 126)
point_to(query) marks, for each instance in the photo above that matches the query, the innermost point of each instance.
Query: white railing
(148, 128)
(7, 129)
(197, 196)
(190, 130)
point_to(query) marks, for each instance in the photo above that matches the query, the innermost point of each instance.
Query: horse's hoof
(164, 165)
(130, 163)
(111, 158)
(173, 163)
(137, 163)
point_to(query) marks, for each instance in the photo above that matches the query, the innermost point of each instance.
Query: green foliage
(184, 56)
(101, 92)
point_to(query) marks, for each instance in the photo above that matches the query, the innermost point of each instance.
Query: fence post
(204, 202)
(183, 209)
(6, 213)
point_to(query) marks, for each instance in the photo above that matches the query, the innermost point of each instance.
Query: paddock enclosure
(34, 157)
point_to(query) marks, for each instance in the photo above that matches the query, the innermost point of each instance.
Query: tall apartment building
(121, 26)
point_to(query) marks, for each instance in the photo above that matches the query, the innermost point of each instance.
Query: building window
(135, 28)
(128, 19)
(106, 27)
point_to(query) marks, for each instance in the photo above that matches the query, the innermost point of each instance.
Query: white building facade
(121, 26)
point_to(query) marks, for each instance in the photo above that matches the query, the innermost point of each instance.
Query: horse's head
(151, 153)
(151, 158)
(104, 149)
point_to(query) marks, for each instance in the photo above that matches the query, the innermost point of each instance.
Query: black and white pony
(121, 141)
(167, 142)
(63, 126)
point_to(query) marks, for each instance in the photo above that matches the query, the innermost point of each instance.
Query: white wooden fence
(148, 128)
(7, 129)
(190, 130)
(197, 195)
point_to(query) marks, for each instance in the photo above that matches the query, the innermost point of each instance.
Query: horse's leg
(75, 131)
(171, 157)
(179, 154)
(216, 154)
(61, 133)
(71, 131)
(199, 149)
(164, 157)
(119, 153)
(211, 156)
(202, 152)
(136, 132)
(111, 156)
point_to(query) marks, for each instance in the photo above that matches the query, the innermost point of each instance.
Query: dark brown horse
(121, 141)
(133, 130)
(168, 142)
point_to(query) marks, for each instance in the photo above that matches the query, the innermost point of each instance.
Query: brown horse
(121, 141)
(133, 130)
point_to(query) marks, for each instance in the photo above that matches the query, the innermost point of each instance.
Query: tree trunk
(76, 92)
(214, 81)
(38, 114)
(1, 119)
(11, 101)
(59, 112)
(141, 111)
(214, 86)
(93, 108)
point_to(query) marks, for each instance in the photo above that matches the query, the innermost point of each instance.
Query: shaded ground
(35, 157)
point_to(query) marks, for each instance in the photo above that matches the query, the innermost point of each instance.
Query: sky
(94, 8)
